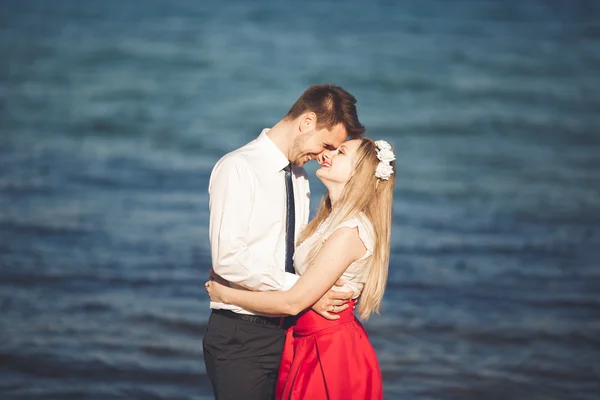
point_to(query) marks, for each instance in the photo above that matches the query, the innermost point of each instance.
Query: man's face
(312, 144)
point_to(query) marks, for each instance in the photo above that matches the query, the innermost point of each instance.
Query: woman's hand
(216, 291)
(216, 286)
(214, 277)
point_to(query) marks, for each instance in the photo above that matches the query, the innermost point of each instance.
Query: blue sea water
(112, 114)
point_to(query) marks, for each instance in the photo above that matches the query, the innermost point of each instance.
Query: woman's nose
(322, 157)
(326, 155)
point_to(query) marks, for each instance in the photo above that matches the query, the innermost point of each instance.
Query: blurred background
(112, 114)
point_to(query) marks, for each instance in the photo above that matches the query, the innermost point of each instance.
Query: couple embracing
(284, 290)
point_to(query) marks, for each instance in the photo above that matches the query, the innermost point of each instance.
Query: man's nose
(321, 157)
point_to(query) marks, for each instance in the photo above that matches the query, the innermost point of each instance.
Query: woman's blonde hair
(366, 194)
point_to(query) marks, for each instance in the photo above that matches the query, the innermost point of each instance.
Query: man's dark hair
(332, 105)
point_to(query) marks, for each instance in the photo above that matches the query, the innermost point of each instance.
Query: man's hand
(333, 302)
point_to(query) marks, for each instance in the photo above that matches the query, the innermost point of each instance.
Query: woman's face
(338, 164)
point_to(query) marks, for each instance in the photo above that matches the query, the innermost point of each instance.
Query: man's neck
(281, 136)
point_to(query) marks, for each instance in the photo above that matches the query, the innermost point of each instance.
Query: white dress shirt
(247, 200)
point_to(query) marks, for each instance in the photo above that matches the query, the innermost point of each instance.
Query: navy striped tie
(290, 221)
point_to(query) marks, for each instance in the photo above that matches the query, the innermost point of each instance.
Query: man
(259, 203)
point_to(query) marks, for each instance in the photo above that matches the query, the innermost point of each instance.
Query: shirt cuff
(289, 280)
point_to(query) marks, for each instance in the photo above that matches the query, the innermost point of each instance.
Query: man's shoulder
(230, 165)
(243, 156)
(240, 157)
(233, 158)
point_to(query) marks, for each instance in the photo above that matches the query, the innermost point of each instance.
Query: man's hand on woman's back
(333, 302)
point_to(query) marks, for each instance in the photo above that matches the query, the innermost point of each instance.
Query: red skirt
(332, 360)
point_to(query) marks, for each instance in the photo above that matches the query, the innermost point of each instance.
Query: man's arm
(231, 200)
(342, 248)
(324, 305)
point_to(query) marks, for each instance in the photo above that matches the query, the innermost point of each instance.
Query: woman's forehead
(352, 145)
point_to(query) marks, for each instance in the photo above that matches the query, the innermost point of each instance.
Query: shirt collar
(274, 158)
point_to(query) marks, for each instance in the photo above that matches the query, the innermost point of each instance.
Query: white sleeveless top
(355, 276)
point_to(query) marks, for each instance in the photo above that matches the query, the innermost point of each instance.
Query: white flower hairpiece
(385, 154)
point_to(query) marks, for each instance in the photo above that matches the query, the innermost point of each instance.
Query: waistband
(311, 322)
(258, 319)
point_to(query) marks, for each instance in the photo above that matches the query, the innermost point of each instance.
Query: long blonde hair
(363, 193)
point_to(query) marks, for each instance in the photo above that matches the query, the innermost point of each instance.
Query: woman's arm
(341, 249)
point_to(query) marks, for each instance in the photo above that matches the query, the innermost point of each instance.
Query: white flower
(386, 155)
(384, 171)
(383, 145)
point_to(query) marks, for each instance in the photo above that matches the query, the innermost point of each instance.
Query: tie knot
(288, 168)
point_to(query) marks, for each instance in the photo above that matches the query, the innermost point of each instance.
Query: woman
(349, 239)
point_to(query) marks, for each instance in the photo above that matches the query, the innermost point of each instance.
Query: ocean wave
(88, 368)
(38, 229)
(498, 249)
(171, 324)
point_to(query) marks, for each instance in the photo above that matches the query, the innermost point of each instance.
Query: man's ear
(308, 122)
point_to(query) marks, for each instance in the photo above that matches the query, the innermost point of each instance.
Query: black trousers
(242, 358)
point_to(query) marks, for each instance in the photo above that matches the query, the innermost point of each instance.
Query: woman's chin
(322, 175)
